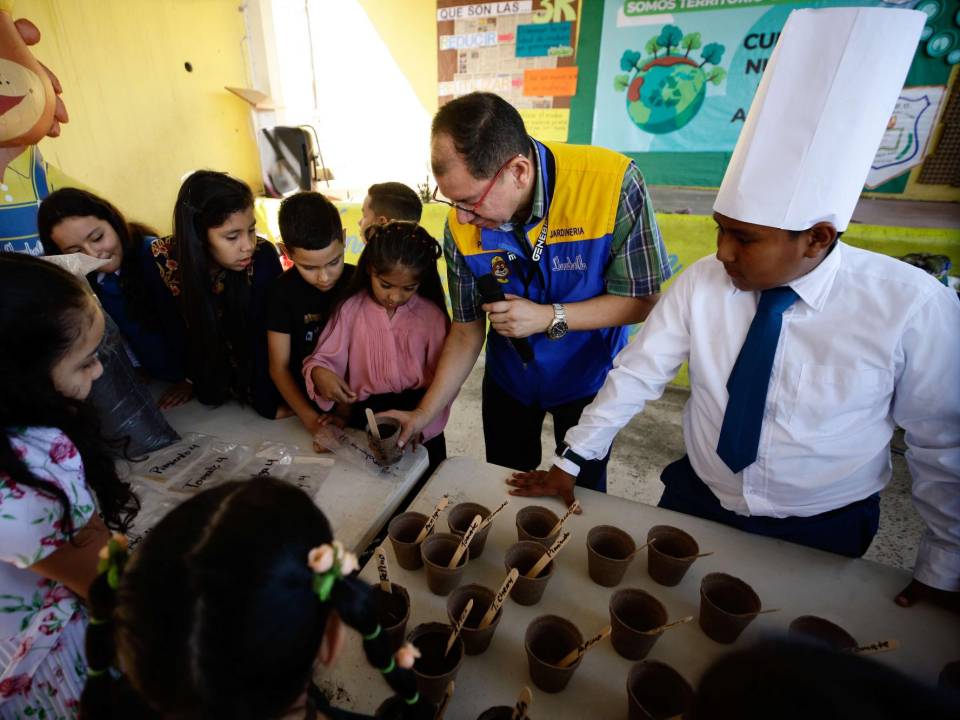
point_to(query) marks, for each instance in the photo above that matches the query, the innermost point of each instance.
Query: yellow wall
(409, 30)
(138, 120)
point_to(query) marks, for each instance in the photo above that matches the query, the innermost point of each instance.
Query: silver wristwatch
(558, 327)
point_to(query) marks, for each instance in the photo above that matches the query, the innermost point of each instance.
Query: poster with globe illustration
(679, 75)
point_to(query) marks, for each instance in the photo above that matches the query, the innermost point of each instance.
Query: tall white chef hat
(818, 116)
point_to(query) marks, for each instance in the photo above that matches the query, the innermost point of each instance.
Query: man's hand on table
(917, 591)
(517, 317)
(540, 483)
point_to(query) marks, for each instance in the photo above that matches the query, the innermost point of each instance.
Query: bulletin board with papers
(524, 50)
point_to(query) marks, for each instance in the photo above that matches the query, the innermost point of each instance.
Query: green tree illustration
(652, 46)
(690, 42)
(716, 75)
(670, 36)
(712, 54)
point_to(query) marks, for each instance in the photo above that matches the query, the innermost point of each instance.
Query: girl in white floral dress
(55, 475)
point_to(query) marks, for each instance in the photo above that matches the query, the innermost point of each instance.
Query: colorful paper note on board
(551, 82)
(548, 124)
(536, 40)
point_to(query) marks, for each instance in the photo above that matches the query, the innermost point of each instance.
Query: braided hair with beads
(221, 613)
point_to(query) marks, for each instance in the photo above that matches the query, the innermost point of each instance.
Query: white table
(357, 504)
(857, 594)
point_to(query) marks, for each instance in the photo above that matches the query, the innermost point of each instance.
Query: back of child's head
(308, 220)
(216, 614)
(41, 310)
(44, 311)
(401, 244)
(68, 203)
(796, 681)
(395, 201)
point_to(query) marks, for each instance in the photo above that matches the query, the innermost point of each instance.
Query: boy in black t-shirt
(302, 299)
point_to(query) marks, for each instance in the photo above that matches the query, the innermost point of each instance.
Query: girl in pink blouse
(382, 347)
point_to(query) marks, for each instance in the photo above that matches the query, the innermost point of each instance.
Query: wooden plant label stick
(662, 628)
(465, 542)
(572, 656)
(570, 511)
(548, 556)
(523, 704)
(642, 547)
(493, 514)
(432, 519)
(445, 702)
(372, 422)
(876, 647)
(382, 569)
(459, 626)
(498, 600)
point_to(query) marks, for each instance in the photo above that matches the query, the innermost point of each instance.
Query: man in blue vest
(568, 234)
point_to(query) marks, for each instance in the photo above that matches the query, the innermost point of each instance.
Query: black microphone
(491, 292)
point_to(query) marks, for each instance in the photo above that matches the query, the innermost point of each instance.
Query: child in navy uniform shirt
(300, 301)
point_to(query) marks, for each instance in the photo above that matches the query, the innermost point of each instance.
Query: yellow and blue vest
(582, 191)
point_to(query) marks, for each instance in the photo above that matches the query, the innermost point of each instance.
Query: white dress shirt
(870, 344)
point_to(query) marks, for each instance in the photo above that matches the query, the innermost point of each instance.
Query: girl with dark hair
(59, 488)
(225, 611)
(129, 286)
(382, 348)
(219, 272)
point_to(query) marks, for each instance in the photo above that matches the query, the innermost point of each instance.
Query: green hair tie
(98, 621)
(96, 673)
(113, 558)
(414, 700)
(374, 635)
(389, 668)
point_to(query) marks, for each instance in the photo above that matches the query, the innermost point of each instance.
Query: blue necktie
(748, 382)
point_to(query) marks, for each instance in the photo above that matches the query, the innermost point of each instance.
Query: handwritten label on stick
(876, 647)
(572, 656)
(465, 542)
(570, 511)
(431, 521)
(459, 626)
(492, 515)
(523, 704)
(498, 600)
(548, 556)
(382, 570)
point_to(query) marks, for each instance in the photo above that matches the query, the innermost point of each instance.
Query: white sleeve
(927, 406)
(640, 371)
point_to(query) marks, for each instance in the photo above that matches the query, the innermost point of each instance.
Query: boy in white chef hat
(805, 353)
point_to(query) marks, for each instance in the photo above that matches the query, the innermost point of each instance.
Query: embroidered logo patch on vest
(569, 263)
(500, 269)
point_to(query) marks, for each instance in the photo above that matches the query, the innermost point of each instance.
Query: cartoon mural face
(27, 100)
(22, 99)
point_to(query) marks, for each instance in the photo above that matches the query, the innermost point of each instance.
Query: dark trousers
(846, 531)
(406, 400)
(511, 433)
